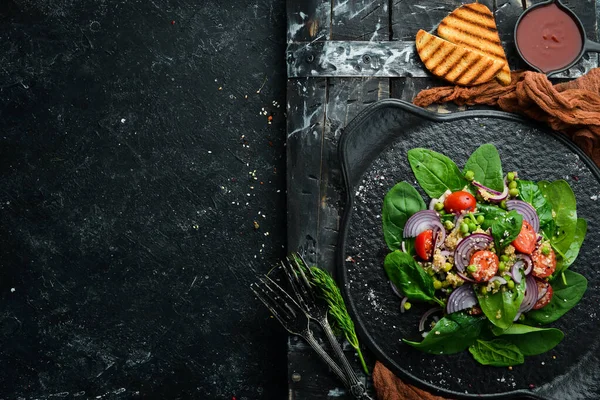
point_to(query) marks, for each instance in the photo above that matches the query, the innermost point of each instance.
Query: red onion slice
(422, 221)
(542, 293)
(395, 290)
(487, 189)
(432, 203)
(427, 315)
(515, 271)
(403, 247)
(402, 303)
(467, 246)
(531, 295)
(499, 279)
(526, 210)
(464, 276)
(490, 194)
(527, 260)
(461, 298)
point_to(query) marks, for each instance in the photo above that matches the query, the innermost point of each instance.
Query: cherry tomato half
(424, 244)
(544, 265)
(525, 242)
(459, 201)
(543, 302)
(486, 263)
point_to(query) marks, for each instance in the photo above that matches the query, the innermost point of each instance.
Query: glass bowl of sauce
(550, 37)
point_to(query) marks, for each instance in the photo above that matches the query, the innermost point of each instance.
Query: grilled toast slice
(454, 63)
(474, 27)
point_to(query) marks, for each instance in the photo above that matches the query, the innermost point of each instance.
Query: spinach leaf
(409, 277)
(531, 193)
(457, 331)
(565, 297)
(490, 213)
(497, 352)
(435, 172)
(506, 228)
(531, 341)
(563, 262)
(562, 199)
(400, 202)
(502, 307)
(485, 163)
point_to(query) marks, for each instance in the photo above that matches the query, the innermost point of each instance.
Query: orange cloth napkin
(571, 107)
(389, 387)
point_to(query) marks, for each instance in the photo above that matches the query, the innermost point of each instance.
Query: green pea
(545, 250)
(469, 175)
(447, 267)
(437, 284)
(510, 176)
(496, 284)
(501, 266)
(472, 227)
(449, 225)
(472, 268)
(439, 206)
(513, 192)
(442, 212)
(480, 219)
(503, 204)
(430, 272)
(464, 228)
(510, 284)
(483, 290)
(407, 306)
(512, 185)
(504, 258)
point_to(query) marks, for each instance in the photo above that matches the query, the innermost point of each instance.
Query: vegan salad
(490, 252)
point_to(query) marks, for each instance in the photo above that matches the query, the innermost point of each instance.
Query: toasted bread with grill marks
(474, 27)
(456, 64)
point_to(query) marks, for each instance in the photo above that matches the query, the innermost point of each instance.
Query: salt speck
(12, 290)
(123, 120)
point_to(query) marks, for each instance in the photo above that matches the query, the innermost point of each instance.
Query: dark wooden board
(339, 99)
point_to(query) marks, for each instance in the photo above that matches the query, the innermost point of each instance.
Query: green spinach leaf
(497, 352)
(485, 163)
(490, 214)
(531, 193)
(435, 172)
(564, 209)
(409, 277)
(565, 297)
(400, 202)
(530, 340)
(451, 334)
(563, 262)
(502, 307)
(506, 228)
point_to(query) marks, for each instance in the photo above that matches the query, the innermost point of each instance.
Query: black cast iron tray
(373, 150)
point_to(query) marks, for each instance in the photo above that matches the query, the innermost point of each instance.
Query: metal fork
(318, 310)
(293, 318)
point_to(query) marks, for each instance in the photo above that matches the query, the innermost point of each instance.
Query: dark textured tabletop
(142, 162)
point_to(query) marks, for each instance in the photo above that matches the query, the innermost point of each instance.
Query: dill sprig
(329, 291)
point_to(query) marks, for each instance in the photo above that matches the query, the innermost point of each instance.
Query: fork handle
(357, 388)
(308, 336)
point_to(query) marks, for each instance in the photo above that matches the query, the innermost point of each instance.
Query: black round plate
(373, 153)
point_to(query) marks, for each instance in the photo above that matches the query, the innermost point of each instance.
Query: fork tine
(275, 300)
(271, 309)
(280, 294)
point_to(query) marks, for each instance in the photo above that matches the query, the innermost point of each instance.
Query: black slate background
(127, 198)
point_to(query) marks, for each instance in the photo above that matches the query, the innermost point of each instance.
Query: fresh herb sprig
(329, 291)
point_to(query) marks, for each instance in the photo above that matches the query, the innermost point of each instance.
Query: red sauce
(549, 38)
